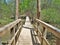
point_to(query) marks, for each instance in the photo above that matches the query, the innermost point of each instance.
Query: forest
(50, 10)
(49, 13)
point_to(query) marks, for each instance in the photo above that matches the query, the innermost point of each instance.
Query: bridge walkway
(27, 35)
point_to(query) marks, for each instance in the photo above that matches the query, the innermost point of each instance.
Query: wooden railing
(43, 30)
(9, 34)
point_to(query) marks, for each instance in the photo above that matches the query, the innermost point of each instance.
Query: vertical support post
(0, 41)
(14, 34)
(45, 33)
(57, 41)
(38, 12)
(42, 35)
(38, 9)
(17, 9)
(11, 32)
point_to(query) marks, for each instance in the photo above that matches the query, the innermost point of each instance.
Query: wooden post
(57, 41)
(42, 35)
(17, 9)
(0, 41)
(38, 9)
(14, 34)
(45, 33)
(38, 12)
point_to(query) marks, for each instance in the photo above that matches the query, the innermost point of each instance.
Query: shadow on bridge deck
(34, 37)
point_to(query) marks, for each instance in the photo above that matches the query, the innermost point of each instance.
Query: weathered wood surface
(4, 29)
(50, 28)
(42, 33)
(9, 32)
(17, 12)
(25, 35)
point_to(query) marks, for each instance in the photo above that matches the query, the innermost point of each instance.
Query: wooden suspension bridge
(27, 34)
(17, 33)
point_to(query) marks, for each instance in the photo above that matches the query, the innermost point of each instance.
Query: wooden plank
(25, 35)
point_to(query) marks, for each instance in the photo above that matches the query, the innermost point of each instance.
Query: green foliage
(50, 12)
(7, 10)
(51, 15)
(27, 5)
(5, 21)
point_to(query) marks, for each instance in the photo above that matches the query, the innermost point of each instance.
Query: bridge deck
(25, 35)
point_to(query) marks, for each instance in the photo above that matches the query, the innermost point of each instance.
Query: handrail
(46, 27)
(8, 27)
(53, 29)
(14, 30)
